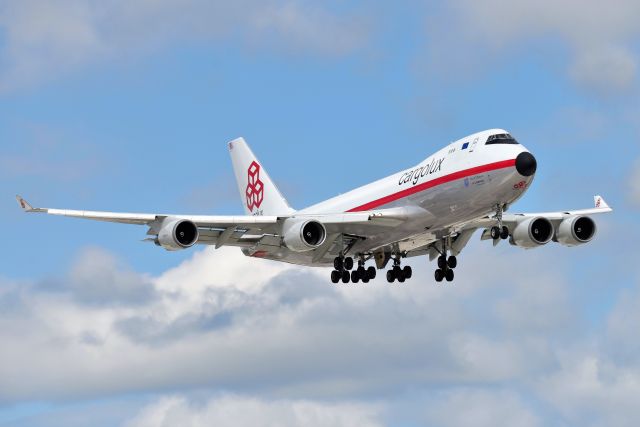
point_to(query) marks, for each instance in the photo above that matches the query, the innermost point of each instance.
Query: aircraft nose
(526, 164)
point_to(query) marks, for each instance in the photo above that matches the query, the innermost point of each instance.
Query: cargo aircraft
(432, 209)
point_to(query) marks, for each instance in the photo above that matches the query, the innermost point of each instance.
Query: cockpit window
(501, 138)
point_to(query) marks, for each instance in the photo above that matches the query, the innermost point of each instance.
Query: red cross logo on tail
(255, 187)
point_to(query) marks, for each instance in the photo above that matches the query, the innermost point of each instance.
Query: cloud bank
(279, 337)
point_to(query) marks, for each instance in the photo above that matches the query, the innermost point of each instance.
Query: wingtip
(600, 203)
(24, 205)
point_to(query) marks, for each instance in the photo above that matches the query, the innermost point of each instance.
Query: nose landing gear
(499, 231)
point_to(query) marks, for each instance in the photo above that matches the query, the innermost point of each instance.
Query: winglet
(600, 203)
(24, 204)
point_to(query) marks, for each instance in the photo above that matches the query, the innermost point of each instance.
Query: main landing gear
(445, 265)
(445, 268)
(344, 271)
(398, 273)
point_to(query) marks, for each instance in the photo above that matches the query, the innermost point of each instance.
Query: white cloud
(600, 38)
(480, 408)
(223, 322)
(240, 411)
(45, 39)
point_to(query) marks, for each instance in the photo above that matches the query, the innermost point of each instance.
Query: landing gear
(344, 271)
(398, 273)
(499, 231)
(446, 265)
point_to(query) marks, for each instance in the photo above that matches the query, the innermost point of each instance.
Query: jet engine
(532, 232)
(575, 230)
(302, 235)
(176, 234)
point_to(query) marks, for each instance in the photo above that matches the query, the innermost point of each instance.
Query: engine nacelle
(575, 230)
(176, 234)
(301, 235)
(532, 232)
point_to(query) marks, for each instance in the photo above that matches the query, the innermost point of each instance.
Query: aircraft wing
(244, 230)
(600, 207)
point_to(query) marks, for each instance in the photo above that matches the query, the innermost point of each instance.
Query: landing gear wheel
(362, 272)
(335, 276)
(504, 234)
(348, 263)
(365, 278)
(355, 277)
(452, 262)
(338, 264)
(390, 276)
(439, 275)
(449, 275)
(442, 262)
(407, 272)
(345, 277)
(400, 276)
(371, 273)
(495, 232)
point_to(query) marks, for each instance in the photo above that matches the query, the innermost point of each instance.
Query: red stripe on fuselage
(433, 183)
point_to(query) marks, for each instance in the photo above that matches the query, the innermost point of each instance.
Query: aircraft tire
(335, 276)
(452, 262)
(348, 263)
(345, 276)
(407, 272)
(442, 262)
(338, 264)
(439, 275)
(504, 234)
(390, 276)
(355, 276)
(449, 275)
(495, 233)
(401, 277)
(371, 273)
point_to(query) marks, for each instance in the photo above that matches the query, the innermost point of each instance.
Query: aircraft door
(473, 145)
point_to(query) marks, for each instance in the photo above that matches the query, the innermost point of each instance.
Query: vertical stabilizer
(259, 194)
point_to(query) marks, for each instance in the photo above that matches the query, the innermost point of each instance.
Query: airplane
(430, 209)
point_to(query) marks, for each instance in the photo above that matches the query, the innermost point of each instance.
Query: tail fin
(259, 194)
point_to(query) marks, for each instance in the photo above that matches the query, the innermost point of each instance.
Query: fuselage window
(501, 138)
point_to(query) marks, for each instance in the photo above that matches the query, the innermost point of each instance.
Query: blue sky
(127, 106)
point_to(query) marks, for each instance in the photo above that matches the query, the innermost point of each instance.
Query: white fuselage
(451, 187)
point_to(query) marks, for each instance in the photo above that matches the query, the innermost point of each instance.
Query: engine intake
(532, 232)
(301, 235)
(176, 234)
(575, 230)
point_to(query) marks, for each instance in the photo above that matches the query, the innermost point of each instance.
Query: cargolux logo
(255, 188)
